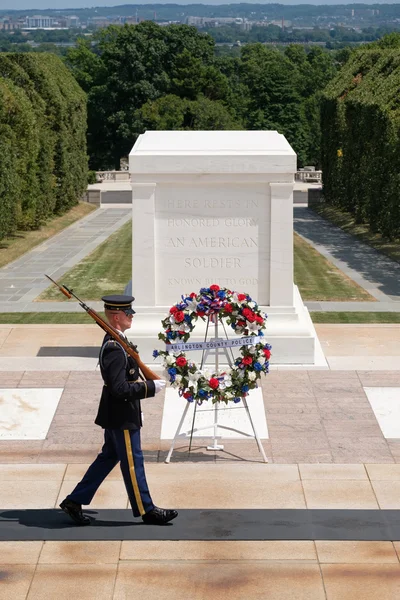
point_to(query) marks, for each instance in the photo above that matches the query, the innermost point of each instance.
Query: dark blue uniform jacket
(122, 390)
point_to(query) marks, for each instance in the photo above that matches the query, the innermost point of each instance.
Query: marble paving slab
(385, 402)
(27, 413)
(233, 417)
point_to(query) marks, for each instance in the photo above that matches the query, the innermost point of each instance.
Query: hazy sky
(41, 4)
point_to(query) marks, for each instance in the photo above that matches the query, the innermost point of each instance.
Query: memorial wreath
(246, 319)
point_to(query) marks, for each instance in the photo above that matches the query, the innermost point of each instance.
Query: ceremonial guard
(119, 415)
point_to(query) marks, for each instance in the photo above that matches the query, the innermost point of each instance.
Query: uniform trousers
(123, 446)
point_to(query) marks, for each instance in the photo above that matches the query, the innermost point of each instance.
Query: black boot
(159, 516)
(74, 510)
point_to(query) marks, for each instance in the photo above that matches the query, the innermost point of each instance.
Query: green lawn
(355, 317)
(108, 269)
(48, 318)
(346, 221)
(71, 318)
(21, 242)
(319, 279)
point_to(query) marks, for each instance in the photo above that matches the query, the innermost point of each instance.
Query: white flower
(252, 376)
(252, 349)
(175, 327)
(240, 374)
(195, 376)
(171, 319)
(169, 359)
(192, 305)
(178, 378)
(228, 395)
(251, 304)
(252, 326)
(261, 359)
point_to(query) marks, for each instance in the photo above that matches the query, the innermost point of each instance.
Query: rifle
(127, 346)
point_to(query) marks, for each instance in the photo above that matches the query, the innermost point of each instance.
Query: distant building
(40, 22)
(70, 21)
(215, 21)
(7, 24)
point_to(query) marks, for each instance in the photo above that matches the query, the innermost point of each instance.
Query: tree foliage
(144, 76)
(361, 137)
(43, 145)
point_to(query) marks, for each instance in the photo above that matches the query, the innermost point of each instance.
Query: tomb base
(290, 331)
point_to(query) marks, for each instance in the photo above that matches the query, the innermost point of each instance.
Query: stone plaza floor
(322, 514)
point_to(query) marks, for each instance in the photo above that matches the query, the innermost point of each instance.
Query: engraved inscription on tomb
(209, 236)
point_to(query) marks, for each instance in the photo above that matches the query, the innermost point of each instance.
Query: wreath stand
(215, 446)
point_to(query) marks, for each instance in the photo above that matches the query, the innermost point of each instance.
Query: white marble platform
(26, 414)
(385, 402)
(233, 417)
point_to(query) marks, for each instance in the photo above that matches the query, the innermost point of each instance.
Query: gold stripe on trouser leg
(132, 471)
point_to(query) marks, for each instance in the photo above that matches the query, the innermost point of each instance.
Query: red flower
(179, 316)
(181, 361)
(246, 312)
(228, 308)
(267, 354)
(193, 295)
(181, 332)
(187, 395)
(214, 288)
(241, 323)
(247, 360)
(241, 297)
(259, 319)
(201, 313)
(213, 383)
(173, 310)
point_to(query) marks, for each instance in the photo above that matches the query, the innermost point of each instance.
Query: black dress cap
(119, 302)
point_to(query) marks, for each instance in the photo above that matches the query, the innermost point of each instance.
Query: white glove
(159, 385)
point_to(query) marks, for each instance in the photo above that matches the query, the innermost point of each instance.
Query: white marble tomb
(217, 207)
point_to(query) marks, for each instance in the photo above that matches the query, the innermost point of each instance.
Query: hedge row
(43, 161)
(361, 139)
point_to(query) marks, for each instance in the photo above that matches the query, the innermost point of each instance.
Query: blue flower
(202, 393)
(236, 400)
(221, 294)
(172, 379)
(170, 335)
(267, 346)
(189, 398)
(204, 290)
(260, 333)
(258, 366)
(155, 353)
(172, 371)
(188, 318)
(245, 388)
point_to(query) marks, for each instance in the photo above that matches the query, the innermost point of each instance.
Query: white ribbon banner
(218, 343)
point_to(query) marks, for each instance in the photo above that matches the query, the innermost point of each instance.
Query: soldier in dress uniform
(119, 415)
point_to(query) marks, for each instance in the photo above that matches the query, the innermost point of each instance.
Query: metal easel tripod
(215, 446)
